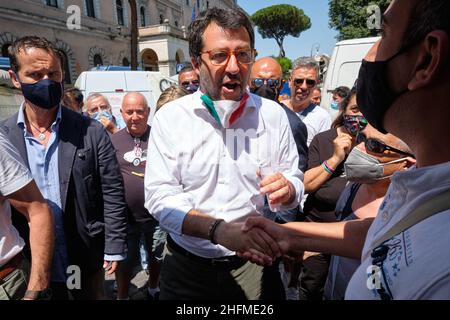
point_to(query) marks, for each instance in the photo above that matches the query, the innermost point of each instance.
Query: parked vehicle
(115, 84)
(344, 67)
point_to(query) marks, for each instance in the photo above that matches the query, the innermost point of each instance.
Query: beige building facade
(97, 32)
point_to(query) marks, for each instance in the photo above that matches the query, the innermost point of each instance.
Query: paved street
(137, 287)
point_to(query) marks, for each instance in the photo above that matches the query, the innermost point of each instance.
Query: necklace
(41, 136)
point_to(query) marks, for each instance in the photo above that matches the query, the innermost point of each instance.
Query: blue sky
(319, 33)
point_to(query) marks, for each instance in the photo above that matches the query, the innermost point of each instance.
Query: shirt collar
(21, 118)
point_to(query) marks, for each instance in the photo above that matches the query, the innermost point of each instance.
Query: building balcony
(162, 30)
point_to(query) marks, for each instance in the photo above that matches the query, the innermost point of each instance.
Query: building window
(65, 67)
(161, 19)
(176, 23)
(207, 4)
(119, 8)
(143, 24)
(52, 3)
(125, 62)
(90, 11)
(198, 4)
(98, 61)
(187, 2)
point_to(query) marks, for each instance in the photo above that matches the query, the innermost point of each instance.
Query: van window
(348, 72)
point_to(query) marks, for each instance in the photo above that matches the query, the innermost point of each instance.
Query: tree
(279, 21)
(286, 65)
(356, 18)
(134, 34)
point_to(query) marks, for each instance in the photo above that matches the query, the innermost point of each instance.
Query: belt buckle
(224, 262)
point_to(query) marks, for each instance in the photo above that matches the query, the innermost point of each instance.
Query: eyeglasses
(309, 82)
(258, 82)
(221, 57)
(187, 83)
(376, 146)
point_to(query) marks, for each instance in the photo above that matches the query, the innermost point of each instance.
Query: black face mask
(374, 96)
(266, 92)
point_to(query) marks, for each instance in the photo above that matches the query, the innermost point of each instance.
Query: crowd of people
(236, 192)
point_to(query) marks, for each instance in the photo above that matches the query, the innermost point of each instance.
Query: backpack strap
(435, 205)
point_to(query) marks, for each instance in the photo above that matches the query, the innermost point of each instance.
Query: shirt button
(385, 216)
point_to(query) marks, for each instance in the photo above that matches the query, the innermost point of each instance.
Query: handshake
(259, 240)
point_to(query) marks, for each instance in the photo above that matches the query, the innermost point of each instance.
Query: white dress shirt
(193, 163)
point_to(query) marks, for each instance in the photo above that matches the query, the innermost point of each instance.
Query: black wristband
(212, 230)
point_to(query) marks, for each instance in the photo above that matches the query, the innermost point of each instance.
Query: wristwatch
(44, 294)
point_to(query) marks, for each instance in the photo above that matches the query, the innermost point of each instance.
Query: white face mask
(361, 167)
(223, 108)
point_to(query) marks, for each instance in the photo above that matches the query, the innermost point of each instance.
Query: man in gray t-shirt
(19, 189)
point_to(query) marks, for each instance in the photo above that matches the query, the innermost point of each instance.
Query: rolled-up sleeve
(165, 198)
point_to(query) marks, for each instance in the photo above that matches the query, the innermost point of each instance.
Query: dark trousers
(184, 278)
(313, 277)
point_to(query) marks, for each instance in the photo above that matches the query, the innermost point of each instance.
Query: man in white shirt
(302, 82)
(18, 189)
(201, 178)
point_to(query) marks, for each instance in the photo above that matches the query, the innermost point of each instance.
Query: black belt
(224, 262)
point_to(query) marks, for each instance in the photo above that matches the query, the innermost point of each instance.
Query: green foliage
(350, 17)
(279, 21)
(286, 65)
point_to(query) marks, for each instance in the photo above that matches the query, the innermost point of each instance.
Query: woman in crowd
(324, 183)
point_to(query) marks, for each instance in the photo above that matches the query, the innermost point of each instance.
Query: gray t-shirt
(14, 175)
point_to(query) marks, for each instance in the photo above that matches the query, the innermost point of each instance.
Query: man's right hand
(271, 229)
(260, 247)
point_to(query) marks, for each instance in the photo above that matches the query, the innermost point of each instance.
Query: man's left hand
(110, 266)
(280, 189)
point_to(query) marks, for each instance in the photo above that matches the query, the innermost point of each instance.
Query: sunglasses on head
(258, 82)
(376, 146)
(309, 82)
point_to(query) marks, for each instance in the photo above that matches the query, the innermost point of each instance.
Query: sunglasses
(309, 82)
(258, 82)
(376, 146)
(187, 83)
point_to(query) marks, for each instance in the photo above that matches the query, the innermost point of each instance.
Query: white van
(344, 67)
(115, 84)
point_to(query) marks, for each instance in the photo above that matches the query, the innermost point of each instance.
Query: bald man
(131, 151)
(266, 81)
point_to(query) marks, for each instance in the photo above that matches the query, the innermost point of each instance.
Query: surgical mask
(361, 167)
(223, 110)
(191, 88)
(374, 96)
(102, 114)
(265, 91)
(334, 105)
(44, 94)
(354, 124)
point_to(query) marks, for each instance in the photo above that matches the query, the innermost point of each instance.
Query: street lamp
(315, 45)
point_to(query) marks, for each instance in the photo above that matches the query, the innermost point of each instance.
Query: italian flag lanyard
(234, 116)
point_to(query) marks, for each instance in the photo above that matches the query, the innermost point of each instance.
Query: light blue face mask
(102, 114)
(334, 105)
